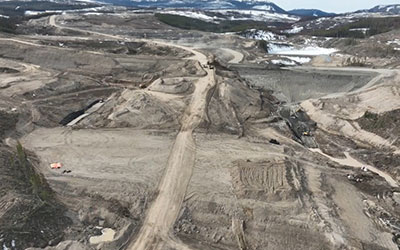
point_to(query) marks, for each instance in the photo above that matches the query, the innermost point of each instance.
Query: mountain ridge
(204, 4)
(388, 9)
(311, 12)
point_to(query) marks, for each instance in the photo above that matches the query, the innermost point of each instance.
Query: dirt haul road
(173, 186)
(172, 189)
(237, 56)
(350, 161)
(155, 232)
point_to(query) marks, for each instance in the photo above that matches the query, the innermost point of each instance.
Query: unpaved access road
(172, 189)
(154, 233)
(237, 56)
(350, 161)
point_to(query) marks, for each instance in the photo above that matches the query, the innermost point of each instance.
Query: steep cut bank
(28, 206)
(297, 84)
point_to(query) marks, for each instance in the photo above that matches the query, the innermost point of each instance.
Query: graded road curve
(237, 56)
(155, 233)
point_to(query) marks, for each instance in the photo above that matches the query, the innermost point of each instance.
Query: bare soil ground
(188, 144)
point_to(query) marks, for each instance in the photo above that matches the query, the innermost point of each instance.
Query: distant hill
(393, 9)
(311, 12)
(203, 4)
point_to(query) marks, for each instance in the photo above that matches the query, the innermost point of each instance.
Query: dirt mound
(136, 71)
(137, 109)
(172, 86)
(51, 115)
(234, 103)
(185, 68)
(151, 49)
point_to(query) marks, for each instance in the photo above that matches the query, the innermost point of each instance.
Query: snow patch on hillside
(294, 30)
(264, 7)
(256, 15)
(192, 14)
(262, 35)
(283, 62)
(280, 49)
(299, 59)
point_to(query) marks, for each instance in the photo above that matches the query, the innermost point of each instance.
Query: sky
(338, 6)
